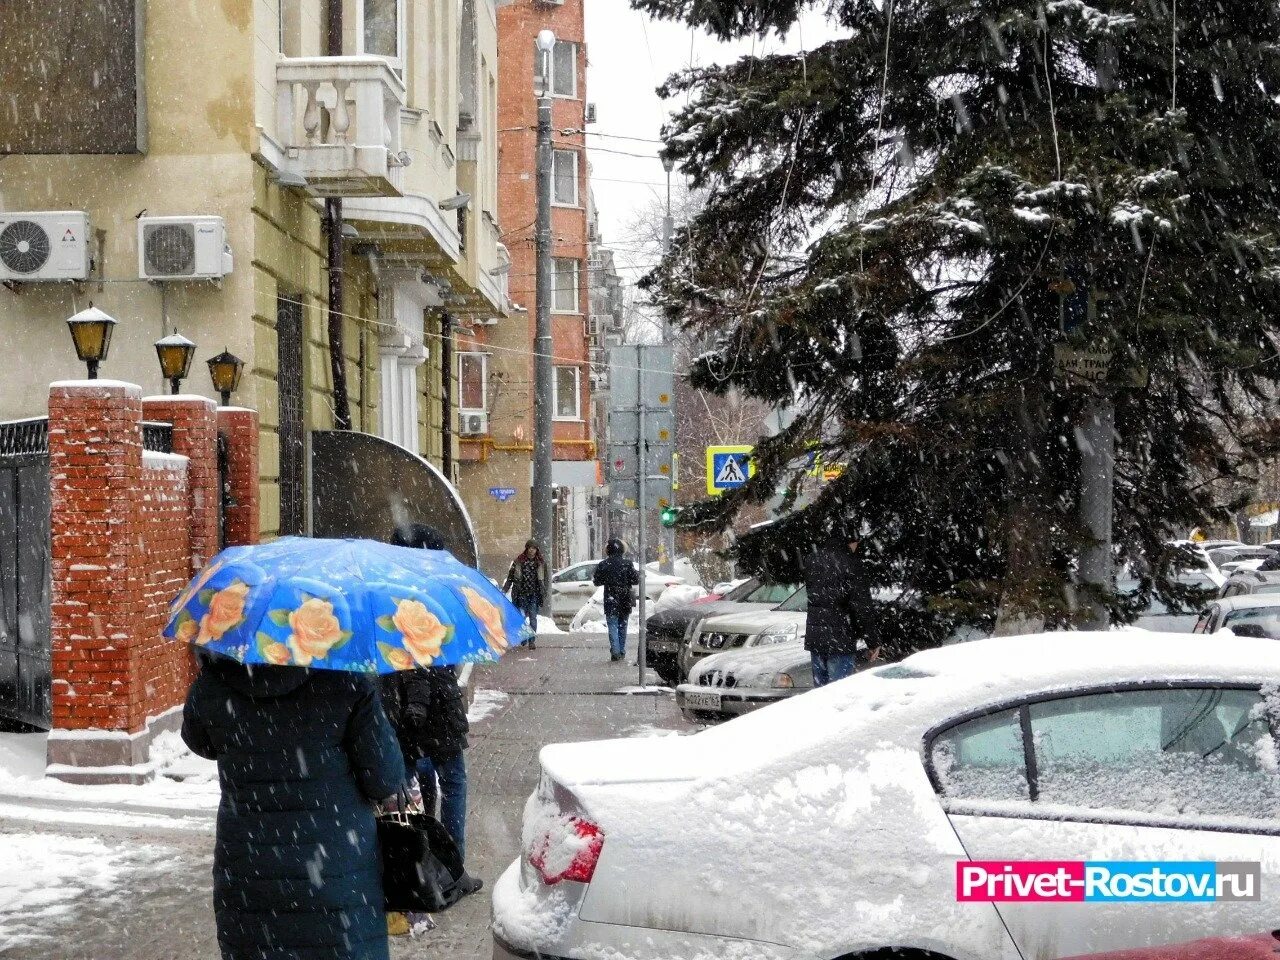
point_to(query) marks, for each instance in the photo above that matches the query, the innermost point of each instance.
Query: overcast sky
(629, 56)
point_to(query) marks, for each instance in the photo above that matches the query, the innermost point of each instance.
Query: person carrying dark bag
(427, 712)
(840, 611)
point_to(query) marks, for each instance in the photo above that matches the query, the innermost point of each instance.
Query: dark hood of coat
(259, 681)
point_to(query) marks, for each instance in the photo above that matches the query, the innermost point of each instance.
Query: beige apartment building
(171, 164)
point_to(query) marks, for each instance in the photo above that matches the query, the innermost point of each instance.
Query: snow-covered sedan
(730, 684)
(854, 821)
(785, 623)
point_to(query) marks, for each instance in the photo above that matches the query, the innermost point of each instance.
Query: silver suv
(1244, 582)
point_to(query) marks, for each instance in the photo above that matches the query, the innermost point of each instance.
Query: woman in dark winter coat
(526, 580)
(301, 757)
(429, 716)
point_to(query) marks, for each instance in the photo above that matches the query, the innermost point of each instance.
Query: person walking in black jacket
(527, 580)
(840, 609)
(302, 756)
(617, 574)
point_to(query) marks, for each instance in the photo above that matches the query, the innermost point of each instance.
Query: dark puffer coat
(301, 756)
(617, 574)
(427, 711)
(839, 601)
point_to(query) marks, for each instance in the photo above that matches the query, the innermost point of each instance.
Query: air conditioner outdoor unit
(592, 323)
(183, 248)
(474, 424)
(44, 246)
(591, 113)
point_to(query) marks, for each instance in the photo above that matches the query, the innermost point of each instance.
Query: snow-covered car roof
(1249, 601)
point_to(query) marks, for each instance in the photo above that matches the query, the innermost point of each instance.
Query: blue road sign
(502, 494)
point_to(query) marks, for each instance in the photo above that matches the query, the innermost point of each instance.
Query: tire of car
(666, 667)
(896, 953)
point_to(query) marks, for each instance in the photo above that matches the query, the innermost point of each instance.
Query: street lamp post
(667, 533)
(542, 372)
(175, 352)
(91, 333)
(225, 370)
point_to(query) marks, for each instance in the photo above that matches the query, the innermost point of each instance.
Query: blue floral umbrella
(352, 605)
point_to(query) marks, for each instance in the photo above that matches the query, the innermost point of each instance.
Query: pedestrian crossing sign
(728, 467)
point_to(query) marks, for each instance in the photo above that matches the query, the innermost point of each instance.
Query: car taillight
(568, 850)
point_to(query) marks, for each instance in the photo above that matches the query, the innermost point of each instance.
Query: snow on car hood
(753, 664)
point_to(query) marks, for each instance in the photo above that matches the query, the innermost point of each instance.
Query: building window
(564, 69)
(567, 394)
(473, 379)
(565, 287)
(564, 178)
(382, 29)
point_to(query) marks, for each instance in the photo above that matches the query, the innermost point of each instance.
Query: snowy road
(83, 879)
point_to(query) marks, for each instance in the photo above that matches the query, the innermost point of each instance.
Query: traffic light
(669, 516)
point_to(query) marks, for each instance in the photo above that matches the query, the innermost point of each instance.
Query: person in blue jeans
(527, 580)
(617, 574)
(840, 607)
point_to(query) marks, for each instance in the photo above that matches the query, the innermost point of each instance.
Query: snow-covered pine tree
(901, 223)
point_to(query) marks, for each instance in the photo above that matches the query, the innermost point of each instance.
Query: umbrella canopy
(353, 605)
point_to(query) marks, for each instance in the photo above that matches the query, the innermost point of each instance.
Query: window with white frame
(473, 382)
(567, 394)
(564, 178)
(382, 29)
(564, 69)
(565, 285)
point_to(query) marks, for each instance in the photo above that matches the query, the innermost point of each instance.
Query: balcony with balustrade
(339, 121)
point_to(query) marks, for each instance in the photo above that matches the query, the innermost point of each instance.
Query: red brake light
(568, 850)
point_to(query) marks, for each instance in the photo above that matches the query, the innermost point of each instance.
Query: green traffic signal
(669, 516)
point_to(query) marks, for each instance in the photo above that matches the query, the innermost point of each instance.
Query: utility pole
(667, 553)
(1097, 441)
(642, 470)
(542, 372)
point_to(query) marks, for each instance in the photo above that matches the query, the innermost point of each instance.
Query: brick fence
(129, 528)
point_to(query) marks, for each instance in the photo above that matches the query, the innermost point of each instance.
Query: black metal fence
(25, 561)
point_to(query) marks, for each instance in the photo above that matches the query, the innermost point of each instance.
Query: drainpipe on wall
(333, 217)
(446, 393)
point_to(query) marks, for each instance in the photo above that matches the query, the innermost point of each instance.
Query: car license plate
(702, 701)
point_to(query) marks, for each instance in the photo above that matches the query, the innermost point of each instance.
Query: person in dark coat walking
(302, 756)
(527, 580)
(617, 574)
(426, 709)
(840, 609)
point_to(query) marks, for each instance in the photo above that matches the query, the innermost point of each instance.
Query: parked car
(1244, 582)
(1251, 614)
(572, 587)
(832, 824)
(667, 630)
(726, 685)
(783, 623)
(1160, 618)
(1221, 562)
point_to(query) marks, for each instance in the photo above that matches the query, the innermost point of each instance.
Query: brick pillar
(95, 467)
(195, 436)
(240, 426)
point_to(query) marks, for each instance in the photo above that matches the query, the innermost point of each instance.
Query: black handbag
(421, 866)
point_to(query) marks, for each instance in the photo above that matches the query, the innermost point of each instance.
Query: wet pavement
(147, 894)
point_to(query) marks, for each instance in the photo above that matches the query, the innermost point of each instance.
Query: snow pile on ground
(677, 595)
(651, 730)
(547, 625)
(22, 755)
(175, 761)
(43, 874)
(486, 703)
